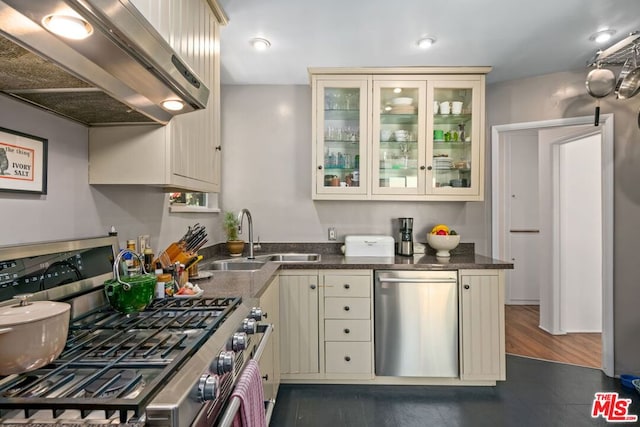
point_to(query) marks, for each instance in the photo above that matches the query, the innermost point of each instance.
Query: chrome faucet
(241, 214)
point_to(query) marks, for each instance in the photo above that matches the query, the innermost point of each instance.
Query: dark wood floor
(536, 394)
(524, 338)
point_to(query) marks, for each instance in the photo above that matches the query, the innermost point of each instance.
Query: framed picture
(23, 162)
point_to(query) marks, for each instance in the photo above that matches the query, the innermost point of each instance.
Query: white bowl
(443, 243)
(402, 101)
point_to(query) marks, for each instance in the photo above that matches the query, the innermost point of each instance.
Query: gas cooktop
(114, 362)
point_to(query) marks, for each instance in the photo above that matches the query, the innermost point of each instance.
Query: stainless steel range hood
(120, 74)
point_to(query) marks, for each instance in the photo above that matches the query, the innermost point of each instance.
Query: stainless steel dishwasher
(416, 323)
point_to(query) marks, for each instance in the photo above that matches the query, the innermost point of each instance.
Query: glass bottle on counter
(130, 259)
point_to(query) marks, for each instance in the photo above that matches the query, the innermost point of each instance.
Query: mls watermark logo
(613, 409)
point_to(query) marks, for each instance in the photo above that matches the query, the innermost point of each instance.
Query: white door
(580, 217)
(561, 226)
(523, 220)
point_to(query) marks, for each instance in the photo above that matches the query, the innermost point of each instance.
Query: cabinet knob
(265, 315)
(347, 330)
(347, 286)
(219, 148)
(466, 286)
(429, 167)
(312, 286)
(346, 308)
(265, 377)
(347, 358)
(320, 167)
(423, 167)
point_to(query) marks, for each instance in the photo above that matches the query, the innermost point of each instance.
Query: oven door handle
(266, 335)
(234, 403)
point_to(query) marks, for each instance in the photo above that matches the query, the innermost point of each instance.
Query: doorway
(558, 144)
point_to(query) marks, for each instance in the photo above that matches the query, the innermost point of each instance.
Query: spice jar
(165, 286)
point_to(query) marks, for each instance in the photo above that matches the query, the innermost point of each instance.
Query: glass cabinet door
(453, 154)
(398, 138)
(341, 133)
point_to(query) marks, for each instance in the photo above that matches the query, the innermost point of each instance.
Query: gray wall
(266, 134)
(266, 168)
(74, 209)
(563, 95)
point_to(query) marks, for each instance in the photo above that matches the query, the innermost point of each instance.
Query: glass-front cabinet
(454, 139)
(341, 134)
(399, 136)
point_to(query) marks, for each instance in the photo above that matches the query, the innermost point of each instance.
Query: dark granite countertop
(416, 262)
(251, 284)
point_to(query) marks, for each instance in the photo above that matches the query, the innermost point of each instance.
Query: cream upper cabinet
(421, 134)
(341, 134)
(398, 136)
(184, 154)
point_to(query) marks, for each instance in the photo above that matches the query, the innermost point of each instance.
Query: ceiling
(518, 39)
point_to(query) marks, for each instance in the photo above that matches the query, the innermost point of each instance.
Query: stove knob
(208, 388)
(249, 326)
(256, 313)
(224, 362)
(239, 341)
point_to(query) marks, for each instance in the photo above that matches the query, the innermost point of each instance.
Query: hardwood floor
(525, 338)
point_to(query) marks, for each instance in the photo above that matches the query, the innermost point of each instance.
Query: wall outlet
(332, 233)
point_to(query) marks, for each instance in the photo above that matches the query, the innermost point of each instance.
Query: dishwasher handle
(416, 280)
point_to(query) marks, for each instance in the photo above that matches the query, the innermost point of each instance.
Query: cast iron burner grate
(116, 362)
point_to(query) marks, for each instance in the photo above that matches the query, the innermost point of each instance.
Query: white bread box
(369, 245)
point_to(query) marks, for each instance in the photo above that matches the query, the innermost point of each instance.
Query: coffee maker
(405, 243)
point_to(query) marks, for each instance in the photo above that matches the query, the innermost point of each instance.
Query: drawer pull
(347, 358)
(347, 286)
(347, 330)
(346, 308)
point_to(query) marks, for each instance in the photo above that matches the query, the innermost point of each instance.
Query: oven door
(233, 405)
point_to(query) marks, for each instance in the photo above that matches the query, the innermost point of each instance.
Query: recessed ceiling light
(426, 42)
(70, 27)
(259, 43)
(173, 104)
(602, 36)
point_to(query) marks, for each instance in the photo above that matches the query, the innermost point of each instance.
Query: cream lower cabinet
(299, 354)
(482, 340)
(326, 325)
(270, 360)
(348, 324)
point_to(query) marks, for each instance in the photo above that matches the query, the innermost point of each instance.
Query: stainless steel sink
(246, 264)
(293, 257)
(239, 265)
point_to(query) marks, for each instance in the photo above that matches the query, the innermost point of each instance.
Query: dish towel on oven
(249, 390)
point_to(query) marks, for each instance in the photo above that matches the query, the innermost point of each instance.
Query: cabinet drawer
(347, 330)
(347, 308)
(347, 286)
(348, 357)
